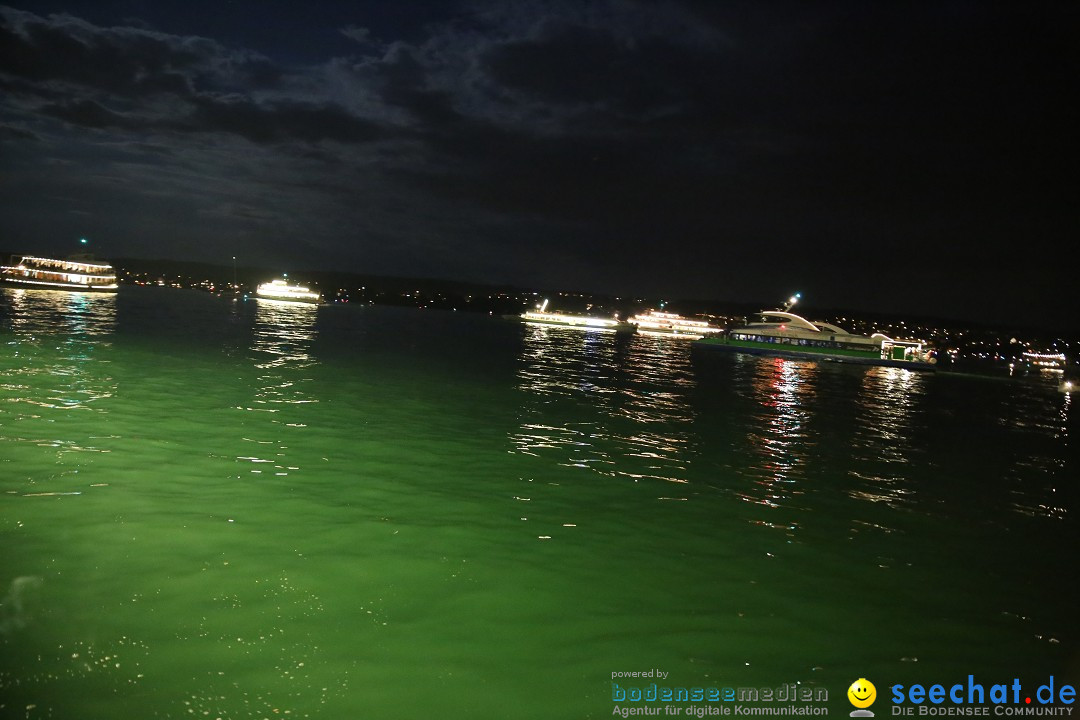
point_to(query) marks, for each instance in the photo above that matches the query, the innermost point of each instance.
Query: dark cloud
(280, 121)
(123, 61)
(358, 34)
(130, 69)
(403, 82)
(88, 113)
(14, 133)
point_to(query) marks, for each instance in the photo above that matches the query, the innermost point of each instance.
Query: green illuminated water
(217, 508)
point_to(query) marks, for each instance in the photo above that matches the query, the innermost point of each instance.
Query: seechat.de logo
(862, 695)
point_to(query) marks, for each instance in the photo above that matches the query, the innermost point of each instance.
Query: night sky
(914, 157)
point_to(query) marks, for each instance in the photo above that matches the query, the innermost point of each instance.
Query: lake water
(230, 509)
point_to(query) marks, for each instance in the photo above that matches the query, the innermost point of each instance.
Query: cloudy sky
(912, 157)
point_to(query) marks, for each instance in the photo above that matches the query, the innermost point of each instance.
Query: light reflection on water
(567, 361)
(55, 363)
(85, 317)
(282, 348)
(887, 411)
(780, 438)
(615, 405)
(1038, 478)
(282, 351)
(562, 367)
(656, 398)
(630, 407)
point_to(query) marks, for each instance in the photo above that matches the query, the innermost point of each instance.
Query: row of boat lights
(654, 319)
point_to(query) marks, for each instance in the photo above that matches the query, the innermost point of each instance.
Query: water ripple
(614, 406)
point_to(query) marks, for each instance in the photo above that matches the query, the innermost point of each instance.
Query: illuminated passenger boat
(541, 315)
(78, 272)
(1050, 362)
(665, 323)
(282, 291)
(784, 334)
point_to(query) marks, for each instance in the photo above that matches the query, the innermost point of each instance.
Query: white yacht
(785, 334)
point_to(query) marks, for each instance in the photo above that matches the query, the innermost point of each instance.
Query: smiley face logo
(862, 693)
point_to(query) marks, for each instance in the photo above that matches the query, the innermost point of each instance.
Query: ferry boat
(78, 272)
(783, 333)
(657, 322)
(541, 315)
(281, 291)
(1044, 361)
